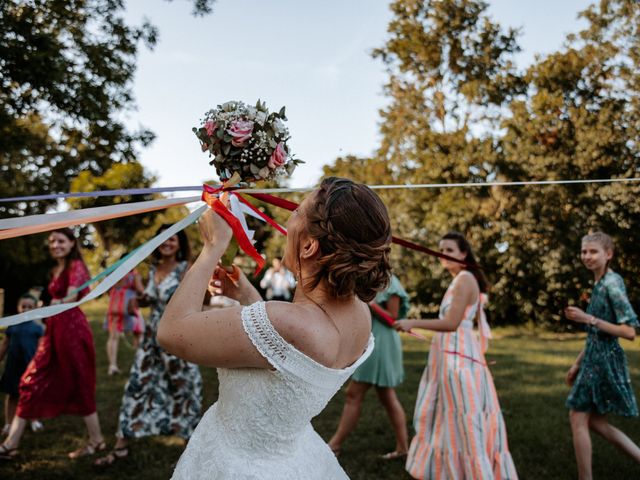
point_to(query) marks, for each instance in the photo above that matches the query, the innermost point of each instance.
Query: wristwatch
(592, 321)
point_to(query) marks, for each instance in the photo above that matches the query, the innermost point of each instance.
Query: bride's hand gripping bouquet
(246, 144)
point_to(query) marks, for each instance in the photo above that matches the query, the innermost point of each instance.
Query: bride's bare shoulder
(307, 330)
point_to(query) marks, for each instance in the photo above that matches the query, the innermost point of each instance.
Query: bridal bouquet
(246, 143)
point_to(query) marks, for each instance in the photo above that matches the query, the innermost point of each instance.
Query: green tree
(66, 69)
(450, 73)
(580, 119)
(461, 112)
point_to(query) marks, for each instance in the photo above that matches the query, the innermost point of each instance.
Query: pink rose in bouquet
(278, 157)
(210, 126)
(246, 143)
(240, 131)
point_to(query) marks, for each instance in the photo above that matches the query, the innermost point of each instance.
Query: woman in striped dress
(460, 432)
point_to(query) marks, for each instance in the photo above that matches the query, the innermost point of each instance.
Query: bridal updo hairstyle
(351, 224)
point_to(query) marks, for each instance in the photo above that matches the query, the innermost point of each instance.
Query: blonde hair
(601, 238)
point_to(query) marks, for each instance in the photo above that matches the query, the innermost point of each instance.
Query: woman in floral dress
(600, 377)
(163, 395)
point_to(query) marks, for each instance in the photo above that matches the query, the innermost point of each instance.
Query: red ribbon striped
(382, 313)
(286, 204)
(210, 196)
(468, 357)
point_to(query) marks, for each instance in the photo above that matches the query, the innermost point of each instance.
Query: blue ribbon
(103, 193)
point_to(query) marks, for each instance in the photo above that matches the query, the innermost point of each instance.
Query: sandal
(88, 449)
(394, 455)
(36, 426)
(115, 455)
(7, 454)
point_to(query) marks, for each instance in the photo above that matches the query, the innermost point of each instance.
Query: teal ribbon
(119, 271)
(102, 274)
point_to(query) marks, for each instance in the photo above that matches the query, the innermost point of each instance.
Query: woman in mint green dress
(383, 370)
(600, 377)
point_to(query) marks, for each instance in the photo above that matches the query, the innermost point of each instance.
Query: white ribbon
(143, 252)
(238, 209)
(79, 215)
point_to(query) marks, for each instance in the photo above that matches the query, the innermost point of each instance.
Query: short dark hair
(28, 296)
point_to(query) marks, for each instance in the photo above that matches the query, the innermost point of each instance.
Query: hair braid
(352, 227)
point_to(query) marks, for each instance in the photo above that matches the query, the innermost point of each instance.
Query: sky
(312, 57)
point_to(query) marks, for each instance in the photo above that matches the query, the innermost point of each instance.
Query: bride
(280, 363)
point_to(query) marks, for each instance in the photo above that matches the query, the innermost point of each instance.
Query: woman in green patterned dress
(600, 376)
(384, 370)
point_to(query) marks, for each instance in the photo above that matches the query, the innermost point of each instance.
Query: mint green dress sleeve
(395, 288)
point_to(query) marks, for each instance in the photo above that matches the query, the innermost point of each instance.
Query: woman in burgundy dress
(61, 378)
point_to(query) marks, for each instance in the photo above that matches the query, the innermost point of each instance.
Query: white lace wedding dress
(260, 427)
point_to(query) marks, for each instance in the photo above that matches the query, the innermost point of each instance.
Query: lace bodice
(260, 427)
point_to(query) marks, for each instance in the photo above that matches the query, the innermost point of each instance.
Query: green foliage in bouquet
(247, 143)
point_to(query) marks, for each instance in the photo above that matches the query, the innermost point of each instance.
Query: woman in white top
(280, 363)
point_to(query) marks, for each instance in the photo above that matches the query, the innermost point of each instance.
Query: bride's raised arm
(214, 337)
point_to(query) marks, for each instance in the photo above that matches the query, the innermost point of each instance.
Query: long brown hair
(469, 259)
(74, 253)
(184, 249)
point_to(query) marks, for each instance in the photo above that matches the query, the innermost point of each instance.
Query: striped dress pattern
(118, 313)
(460, 432)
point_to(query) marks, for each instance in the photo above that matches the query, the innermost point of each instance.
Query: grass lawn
(529, 375)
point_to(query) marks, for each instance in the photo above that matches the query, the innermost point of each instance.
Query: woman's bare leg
(350, 413)
(394, 409)
(581, 443)
(600, 425)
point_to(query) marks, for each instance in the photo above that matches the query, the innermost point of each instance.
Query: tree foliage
(461, 111)
(66, 71)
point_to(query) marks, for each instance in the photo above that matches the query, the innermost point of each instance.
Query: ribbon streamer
(236, 221)
(125, 267)
(259, 214)
(462, 355)
(102, 193)
(289, 205)
(100, 276)
(196, 188)
(381, 312)
(19, 226)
